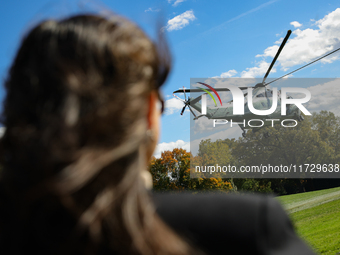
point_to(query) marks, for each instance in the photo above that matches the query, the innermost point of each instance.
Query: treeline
(314, 140)
(171, 172)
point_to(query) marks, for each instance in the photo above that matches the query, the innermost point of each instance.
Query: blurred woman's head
(81, 123)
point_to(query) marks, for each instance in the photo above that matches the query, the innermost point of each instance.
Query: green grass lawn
(316, 217)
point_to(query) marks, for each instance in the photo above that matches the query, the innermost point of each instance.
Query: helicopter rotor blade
(304, 66)
(192, 111)
(185, 95)
(183, 109)
(277, 55)
(178, 98)
(199, 90)
(186, 103)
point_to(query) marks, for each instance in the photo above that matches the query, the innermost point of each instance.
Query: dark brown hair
(75, 140)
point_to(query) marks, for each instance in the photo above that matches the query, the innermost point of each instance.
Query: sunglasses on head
(161, 101)
(163, 71)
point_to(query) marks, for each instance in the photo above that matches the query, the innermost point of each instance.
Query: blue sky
(207, 39)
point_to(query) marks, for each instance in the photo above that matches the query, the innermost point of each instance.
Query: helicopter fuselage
(262, 99)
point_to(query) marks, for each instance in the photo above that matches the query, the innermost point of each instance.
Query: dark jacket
(231, 224)
(215, 224)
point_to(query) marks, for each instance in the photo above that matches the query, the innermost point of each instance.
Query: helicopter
(258, 97)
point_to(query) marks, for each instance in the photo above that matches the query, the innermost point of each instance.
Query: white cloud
(325, 97)
(176, 2)
(203, 125)
(308, 44)
(180, 21)
(295, 24)
(173, 105)
(304, 46)
(257, 71)
(170, 146)
(228, 74)
(152, 10)
(271, 51)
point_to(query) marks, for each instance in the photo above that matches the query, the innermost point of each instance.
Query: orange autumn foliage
(171, 172)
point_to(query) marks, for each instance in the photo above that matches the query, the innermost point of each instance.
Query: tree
(171, 172)
(315, 140)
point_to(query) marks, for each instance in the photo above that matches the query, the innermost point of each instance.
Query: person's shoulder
(255, 224)
(239, 214)
(215, 210)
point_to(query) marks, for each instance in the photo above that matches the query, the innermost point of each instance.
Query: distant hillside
(316, 217)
